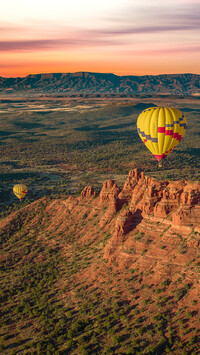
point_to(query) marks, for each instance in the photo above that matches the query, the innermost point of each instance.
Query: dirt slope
(114, 273)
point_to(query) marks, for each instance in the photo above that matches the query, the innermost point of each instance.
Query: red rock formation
(171, 199)
(186, 216)
(134, 177)
(146, 195)
(88, 192)
(109, 191)
(188, 213)
(147, 198)
(123, 225)
(191, 194)
(143, 198)
(110, 212)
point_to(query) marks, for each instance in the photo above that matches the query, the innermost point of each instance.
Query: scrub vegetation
(56, 144)
(59, 296)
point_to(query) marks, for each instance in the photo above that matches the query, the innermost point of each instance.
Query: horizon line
(88, 72)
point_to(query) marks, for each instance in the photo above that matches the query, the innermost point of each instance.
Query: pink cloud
(164, 51)
(51, 44)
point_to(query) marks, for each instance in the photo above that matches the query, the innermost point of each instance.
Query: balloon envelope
(20, 190)
(161, 129)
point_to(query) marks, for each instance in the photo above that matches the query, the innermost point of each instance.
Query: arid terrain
(109, 273)
(57, 145)
(102, 255)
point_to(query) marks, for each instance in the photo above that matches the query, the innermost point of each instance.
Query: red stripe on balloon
(177, 136)
(145, 140)
(161, 129)
(169, 132)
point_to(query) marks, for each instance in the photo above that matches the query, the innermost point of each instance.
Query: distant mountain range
(82, 83)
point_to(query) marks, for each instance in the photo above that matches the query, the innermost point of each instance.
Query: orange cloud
(148, 37)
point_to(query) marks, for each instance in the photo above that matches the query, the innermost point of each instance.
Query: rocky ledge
(166, 209)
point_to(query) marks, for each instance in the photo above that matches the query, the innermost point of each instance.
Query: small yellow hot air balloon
(161, 129)
(20, 190)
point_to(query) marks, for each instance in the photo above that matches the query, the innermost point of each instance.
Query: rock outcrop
(149, 237)
(109, 191)
(171, 198)
(87, 192)
(109, 199)
(160, 198)
(175, 205)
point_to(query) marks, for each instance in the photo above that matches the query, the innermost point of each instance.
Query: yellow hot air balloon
(161, 129)
(20, 190)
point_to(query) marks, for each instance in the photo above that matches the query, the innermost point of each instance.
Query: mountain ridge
(117, 273)
(105, 83)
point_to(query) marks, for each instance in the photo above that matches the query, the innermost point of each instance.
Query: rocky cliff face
(133, 253)
(148, 223)
(158, 198)
(152, 208)
(87, 192)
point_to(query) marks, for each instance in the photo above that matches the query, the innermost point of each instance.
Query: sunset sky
(124, 37)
